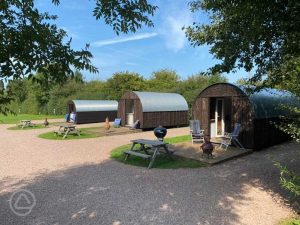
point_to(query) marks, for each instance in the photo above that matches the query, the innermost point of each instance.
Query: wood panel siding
(166, 119)
(266, 134)
(242, 113)
(151, 119)
(221, 90)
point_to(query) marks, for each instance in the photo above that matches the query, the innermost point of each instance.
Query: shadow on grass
(53, 136)
(89, 132)
(162, 161)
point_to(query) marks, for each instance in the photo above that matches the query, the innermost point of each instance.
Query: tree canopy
(254, 35)
(31, 42)
(34, 98)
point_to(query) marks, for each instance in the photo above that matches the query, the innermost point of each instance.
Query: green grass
(88, 132)
(162, 161)
(37, 126)
(15, 119)
(290, 221)
(83, 134)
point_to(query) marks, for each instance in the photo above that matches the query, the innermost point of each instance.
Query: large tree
(121, 82)
(31, 42)
(164, 80)
(254, 35)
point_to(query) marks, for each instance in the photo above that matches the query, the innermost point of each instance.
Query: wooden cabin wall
(95, 117)
(201, 113)
(242, 113)
(266, 134)
(166, 119)
(121, 111)
(138, 114)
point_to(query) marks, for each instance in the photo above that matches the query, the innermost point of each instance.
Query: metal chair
(232, 138)
(196, 133)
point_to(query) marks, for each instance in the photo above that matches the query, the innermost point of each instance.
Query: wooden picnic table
(149, 149)
(66, 130)
(25, 123)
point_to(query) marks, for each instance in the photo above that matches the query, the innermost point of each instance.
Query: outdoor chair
(196, 133)
(232, 138)
(117, 122)
(136, 125)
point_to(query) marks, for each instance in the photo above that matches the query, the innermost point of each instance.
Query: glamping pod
(221, 105)
(153, 109)
(92, 111)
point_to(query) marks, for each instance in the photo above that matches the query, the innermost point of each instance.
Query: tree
(121, 82)
(163, 80)
(31, 42)
(254, 35)
(19, 88)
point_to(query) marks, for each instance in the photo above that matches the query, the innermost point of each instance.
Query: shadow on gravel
(114, 193)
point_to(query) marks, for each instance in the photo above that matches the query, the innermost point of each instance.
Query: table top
(24, 121)
(149, 142)
(67, 126)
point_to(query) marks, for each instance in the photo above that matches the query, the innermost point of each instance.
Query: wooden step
(145, 156)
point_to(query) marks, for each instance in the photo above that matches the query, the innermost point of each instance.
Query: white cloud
(174, 19)
(123, 39)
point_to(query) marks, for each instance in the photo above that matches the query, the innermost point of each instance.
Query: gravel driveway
(75, 182)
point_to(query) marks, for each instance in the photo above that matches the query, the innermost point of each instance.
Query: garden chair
(136, 125)
(117, 122)
(232, 138)
(196, 133)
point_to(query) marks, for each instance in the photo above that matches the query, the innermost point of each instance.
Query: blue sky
(163, 46)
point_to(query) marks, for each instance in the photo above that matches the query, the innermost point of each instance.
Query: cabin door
(219, 117)
(129, 106)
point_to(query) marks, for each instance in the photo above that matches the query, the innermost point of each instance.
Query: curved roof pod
(266, 103)
(161, 102)
(95, 105)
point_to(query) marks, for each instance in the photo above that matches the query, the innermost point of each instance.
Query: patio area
(194, 151)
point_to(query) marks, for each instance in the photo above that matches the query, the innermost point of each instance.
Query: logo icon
(22, 202)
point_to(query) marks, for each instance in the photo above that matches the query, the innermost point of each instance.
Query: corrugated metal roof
(156, 102)
(95, 105)
(269, 102)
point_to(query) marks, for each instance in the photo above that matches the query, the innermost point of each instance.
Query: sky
(163, 46)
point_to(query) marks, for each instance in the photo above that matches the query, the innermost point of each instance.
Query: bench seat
(145, 156)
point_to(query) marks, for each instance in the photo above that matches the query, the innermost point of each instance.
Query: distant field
(13, 119)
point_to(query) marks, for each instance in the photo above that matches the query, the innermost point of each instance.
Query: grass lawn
(90, 132)
(83, 134)
(162, 161)
(15, 119)
(290, 221)
(37, 126)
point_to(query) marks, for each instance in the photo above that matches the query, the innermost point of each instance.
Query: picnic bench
(26, 123)
(149, 149)
(65, 130)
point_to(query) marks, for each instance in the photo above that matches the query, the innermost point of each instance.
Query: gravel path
(75, 182)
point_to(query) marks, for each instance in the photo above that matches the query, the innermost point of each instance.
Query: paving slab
(194, 151)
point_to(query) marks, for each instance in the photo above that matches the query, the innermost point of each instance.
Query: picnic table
(149, 149)
(65, 130)
(25, 123)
